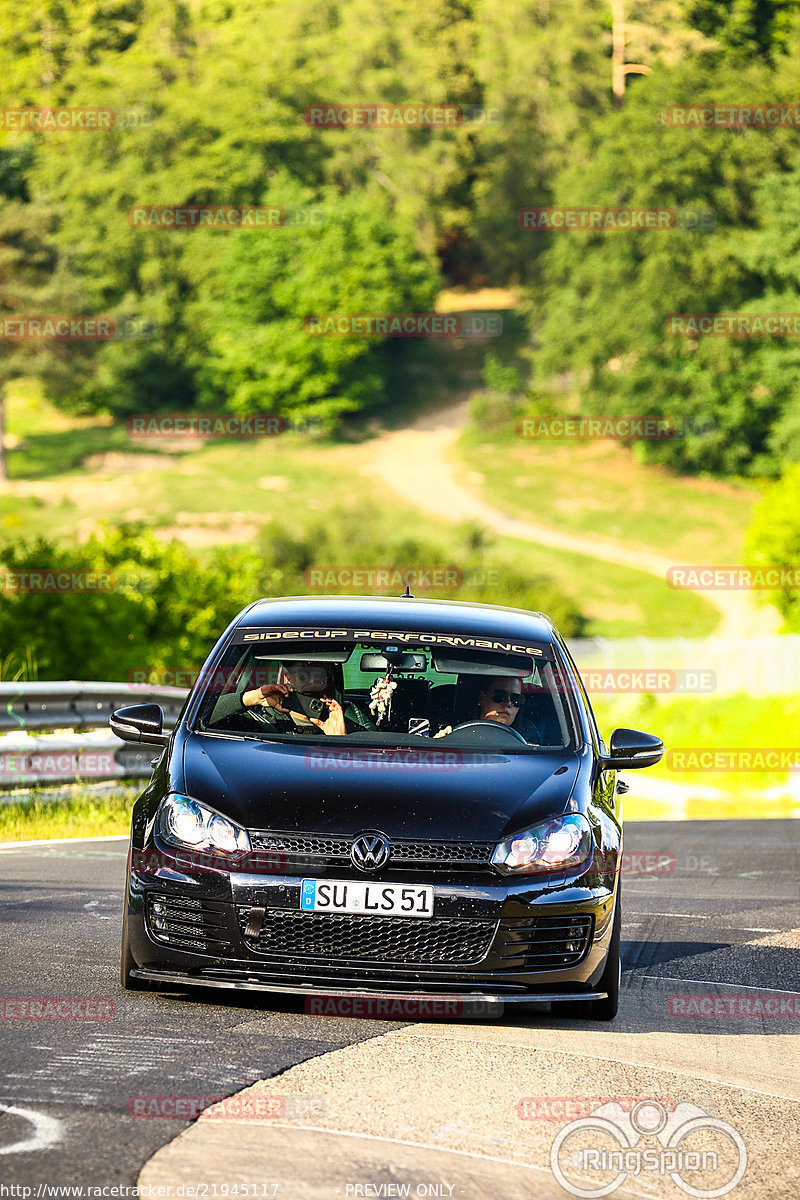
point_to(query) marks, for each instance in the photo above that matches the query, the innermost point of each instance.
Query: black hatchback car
(383, 797)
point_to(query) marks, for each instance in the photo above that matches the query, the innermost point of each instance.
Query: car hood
(430, 793)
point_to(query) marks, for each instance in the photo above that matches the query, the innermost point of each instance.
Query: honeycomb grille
(404, 853)
(372, 939)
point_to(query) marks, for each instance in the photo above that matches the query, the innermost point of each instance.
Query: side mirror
(630, 750)
(139, 723)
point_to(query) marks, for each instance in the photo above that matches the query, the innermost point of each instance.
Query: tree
(609, 294)
(774, 541)
(35, 280)
(347, 256)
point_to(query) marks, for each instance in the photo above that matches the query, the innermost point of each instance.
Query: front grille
(185, 922)
(549, 943)
(371, 939)
(332, 850)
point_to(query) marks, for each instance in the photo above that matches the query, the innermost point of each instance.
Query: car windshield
(382, 693)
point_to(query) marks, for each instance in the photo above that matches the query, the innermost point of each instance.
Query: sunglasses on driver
(501, 696)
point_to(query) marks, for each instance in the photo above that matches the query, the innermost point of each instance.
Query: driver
(500, 699)
(289, 702)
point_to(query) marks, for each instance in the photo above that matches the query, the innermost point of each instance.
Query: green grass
(601, 488)
(74, 816)
(710, 722)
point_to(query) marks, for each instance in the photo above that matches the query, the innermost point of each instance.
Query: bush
(774, 541)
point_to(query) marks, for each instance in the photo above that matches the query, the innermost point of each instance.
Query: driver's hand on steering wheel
(443, 732)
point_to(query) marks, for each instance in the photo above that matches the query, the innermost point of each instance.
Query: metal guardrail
(75, 705)
(30, 755)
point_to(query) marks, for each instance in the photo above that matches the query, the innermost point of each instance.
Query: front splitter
(478, 1002)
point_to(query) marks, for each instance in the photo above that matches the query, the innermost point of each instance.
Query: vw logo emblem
(369, 852)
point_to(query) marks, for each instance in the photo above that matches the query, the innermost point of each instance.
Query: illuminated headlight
(187, 823)
(552, 846)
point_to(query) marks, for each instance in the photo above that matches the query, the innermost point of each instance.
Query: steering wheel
(495, 725)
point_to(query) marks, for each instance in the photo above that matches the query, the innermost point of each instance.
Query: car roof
(406, 615)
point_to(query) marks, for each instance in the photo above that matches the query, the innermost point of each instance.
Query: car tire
(127, 961)
(609, 981)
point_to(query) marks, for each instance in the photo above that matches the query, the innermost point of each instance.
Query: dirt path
(428, 480)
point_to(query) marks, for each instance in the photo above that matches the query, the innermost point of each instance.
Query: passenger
(299, 686)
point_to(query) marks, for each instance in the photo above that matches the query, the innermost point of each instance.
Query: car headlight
(552, 846)
(187, 823)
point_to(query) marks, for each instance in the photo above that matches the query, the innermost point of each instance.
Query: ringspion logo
(594, 1155)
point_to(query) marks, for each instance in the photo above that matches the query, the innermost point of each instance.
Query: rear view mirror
(398, 662)
(630, 749)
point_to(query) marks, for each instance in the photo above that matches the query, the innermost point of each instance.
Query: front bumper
(513, 924)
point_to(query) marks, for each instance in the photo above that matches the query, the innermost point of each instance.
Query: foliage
(210, 100)
(143, 604)
(773, 540)
(610, 295)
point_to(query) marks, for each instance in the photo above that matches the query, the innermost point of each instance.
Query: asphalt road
(722, 917)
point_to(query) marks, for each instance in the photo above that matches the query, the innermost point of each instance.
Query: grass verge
(71, 814)
(739, 722)
(601, 488)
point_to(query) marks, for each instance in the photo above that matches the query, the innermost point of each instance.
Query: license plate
(366, 899)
